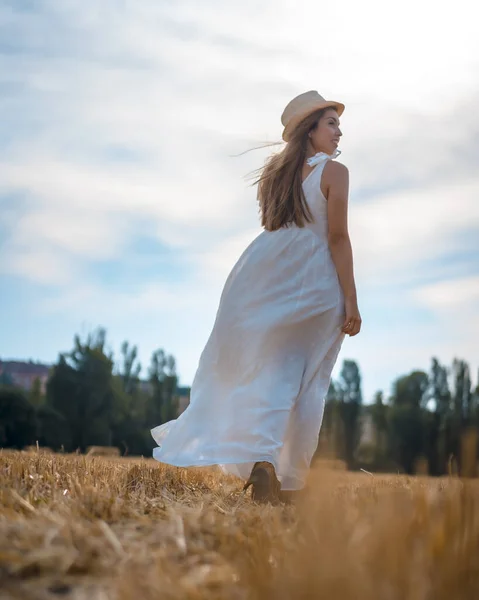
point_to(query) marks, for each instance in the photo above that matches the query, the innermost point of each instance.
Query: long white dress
(260, 387)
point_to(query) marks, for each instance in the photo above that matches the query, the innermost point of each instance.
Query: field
(99, 528)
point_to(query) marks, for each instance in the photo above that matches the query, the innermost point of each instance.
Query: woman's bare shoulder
(335, 179)
(336, 171)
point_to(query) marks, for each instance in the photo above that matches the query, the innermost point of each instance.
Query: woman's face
(325, 137)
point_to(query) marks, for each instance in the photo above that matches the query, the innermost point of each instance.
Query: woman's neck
(311, 151)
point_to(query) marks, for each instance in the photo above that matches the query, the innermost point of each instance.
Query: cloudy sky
(124, 203)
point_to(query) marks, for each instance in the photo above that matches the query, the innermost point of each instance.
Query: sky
(124, 190)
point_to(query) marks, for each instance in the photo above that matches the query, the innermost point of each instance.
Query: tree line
(429, 422)
(92, 399)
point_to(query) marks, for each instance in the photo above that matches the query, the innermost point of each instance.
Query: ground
(100, 528)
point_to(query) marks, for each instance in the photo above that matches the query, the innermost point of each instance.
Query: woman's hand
(352, 322)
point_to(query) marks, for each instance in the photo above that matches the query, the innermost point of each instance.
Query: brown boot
(266, 486)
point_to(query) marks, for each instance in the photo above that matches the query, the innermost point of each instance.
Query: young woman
(257, 398)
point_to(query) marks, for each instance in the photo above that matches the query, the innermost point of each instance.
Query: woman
(257, 398)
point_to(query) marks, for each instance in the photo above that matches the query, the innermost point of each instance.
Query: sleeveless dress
(259, 390)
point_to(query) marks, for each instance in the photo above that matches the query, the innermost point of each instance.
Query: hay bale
(103, 451)
(421, 466)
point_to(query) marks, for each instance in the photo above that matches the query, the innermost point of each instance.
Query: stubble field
(99, 528)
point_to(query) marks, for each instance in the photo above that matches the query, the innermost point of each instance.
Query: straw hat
(301, 107)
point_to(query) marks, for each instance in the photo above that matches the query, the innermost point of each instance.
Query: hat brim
(296, 120)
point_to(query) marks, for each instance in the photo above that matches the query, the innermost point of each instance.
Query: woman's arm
(336, 177)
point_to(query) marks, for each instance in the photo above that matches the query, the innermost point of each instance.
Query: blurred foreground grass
(98, 528)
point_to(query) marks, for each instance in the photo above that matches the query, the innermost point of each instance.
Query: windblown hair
(280, 185)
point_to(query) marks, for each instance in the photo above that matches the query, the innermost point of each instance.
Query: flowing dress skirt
(259, 390)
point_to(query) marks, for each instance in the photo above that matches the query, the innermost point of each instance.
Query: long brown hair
(280, 185)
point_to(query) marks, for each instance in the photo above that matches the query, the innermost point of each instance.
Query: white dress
(259, 390)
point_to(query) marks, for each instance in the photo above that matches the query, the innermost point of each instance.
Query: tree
(350, 401)
(163, 382)
(411, 389)
(330, 441)
(35, 395)
(407, 419)
(439, 396)
(17, 419)
(463, 409)
(476, 402)
(52, 429)
(379, 415)
(407, 435)
(440, 393)
(129, 371)
(130, 431)
(462, 399)
(81, 389)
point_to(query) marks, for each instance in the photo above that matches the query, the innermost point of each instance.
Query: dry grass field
(99, 528)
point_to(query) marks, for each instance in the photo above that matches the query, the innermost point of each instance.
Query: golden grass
(99, 528)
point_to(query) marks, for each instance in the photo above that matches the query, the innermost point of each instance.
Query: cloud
(405, 229)
(452, 295)
(39, 266)
(414, 149)
(455, 305)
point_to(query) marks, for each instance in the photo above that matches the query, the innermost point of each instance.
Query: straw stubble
(99, 528)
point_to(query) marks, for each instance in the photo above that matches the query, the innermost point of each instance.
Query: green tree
(81, 389)
(462, 406)
(350, 402)
(330, 441)
(462, 399)
(52, 429)
(35, 395)
(407, 419)
(379, 415)
(462, 391)
(440, 420)
(411, 389)
(407, 435)
(129, 427)
(17, 419)
(163, 382)
(130, 369)
(476, 402)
